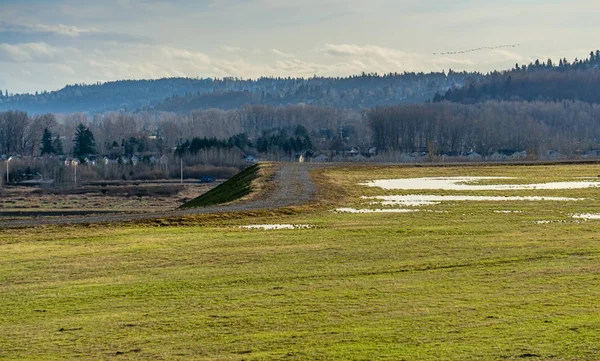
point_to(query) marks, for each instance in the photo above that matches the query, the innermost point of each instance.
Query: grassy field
(455, 281)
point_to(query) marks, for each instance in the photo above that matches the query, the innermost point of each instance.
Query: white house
(134, 160)
(251, 159)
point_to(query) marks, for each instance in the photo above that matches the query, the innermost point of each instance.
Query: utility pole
(7, 172)
(181, 160)
(75, 164)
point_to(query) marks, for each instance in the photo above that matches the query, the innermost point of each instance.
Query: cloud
(186, 55)
(282, 54)
(59, 29)
(60, 34)
(231, 49)
(31, 53)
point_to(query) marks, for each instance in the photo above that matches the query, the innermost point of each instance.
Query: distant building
(251, 159)
(518, 155)
(358, 158)
(321, 158)
(338, 158)
(474, 156)
(497, 156)
(553, 155)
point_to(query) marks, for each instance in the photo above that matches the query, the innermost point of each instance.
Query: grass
(467, 284)
(239, 186)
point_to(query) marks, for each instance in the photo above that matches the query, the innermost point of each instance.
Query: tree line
(450, 128)
(538, 81)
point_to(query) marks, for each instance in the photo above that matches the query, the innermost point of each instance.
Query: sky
(47, 44)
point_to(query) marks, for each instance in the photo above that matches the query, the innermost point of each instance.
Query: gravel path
(293, 187)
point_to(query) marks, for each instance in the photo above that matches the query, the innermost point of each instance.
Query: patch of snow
(508, 212)
(391, 210)
(421, 199)
(586, 216)
(465, 184)
(278, 226)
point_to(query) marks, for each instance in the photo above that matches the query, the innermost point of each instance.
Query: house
(90, 161)
(518, 155)
(553, 155)
(134, 160)
(109, 161)
(301, 158)
(406, 158)
(338, 158)
(321, 158)
(474, 156)
(164, 160)
(358, 158)
(153, 160)
(497, 156)
(373, 151)
(351, 152)
(75, 162)
(68, 162)
(251, 159)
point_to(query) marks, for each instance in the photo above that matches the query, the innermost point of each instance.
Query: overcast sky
(46, 44)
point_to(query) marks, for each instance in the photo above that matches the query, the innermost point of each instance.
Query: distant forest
(537, 109)
(185, 94)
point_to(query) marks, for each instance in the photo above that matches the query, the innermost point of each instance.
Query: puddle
(420, 199)
(278, 226)
(391, 210)
(466, 184)
(586, 216)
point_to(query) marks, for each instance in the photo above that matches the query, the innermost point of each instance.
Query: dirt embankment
(290, 185)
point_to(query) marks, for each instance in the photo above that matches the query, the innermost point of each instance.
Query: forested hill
(538, 81)
(181, 94)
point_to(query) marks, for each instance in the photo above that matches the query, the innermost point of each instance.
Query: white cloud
(282, 54)
(60, 29)
(29, 53)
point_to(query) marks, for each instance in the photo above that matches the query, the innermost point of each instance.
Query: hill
(356, 92)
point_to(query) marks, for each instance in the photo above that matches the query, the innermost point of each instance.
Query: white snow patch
(391, 210)
(586, 216)
(278, 226)
(466, 184)
(508, 212)
(421, 199)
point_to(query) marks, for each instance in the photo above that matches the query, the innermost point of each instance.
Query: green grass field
(456, 282)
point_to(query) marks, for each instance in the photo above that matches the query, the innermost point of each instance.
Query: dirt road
(293, 186)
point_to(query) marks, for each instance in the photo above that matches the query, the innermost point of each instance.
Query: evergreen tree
(84, 141)
(57, 145)
(47, 146)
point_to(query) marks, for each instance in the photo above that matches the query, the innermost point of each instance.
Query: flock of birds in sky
(478, 49)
